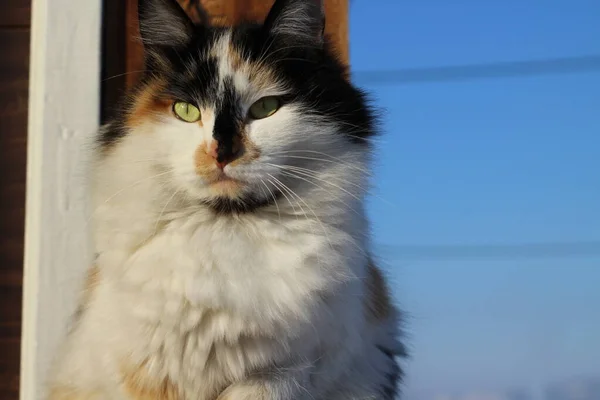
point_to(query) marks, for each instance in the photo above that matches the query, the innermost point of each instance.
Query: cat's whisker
(292, 175)
(279, 185)
(314, 174)
(292, 193)
(274, 198)
(360, 249)
(295, 176)
(269, 55)
(342, 181)
(107, 200)
(364, 139)
(158, 220)
(283, 186)
(137, 183)
(332, 158)
(264, 54)
(325, 232)
(345, 164)
(350, 133)
(295, 59)
(125, 74)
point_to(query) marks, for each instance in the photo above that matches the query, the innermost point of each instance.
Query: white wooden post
(64, 98)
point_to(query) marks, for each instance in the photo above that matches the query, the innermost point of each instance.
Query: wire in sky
(495, 252)
(561, 65)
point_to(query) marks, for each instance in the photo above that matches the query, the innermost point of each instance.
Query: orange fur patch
(141, 386)
(206, 168)
(205, 164)
(378, 300)
(261, 76)
(91, 281)
(235, 58)
(147, 104)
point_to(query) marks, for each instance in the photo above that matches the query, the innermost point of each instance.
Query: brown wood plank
(15, 13)
(134, 51)
(114, 61)
(14, 70)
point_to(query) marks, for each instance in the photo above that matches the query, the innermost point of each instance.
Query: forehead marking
(231, 65)
(220, 51)
(248, 78)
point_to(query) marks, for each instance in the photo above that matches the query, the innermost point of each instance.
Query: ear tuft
(301, 19)
(164, 23)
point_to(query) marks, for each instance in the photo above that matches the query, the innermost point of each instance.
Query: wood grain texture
(15, 13)
(14, 69)
(227, 12)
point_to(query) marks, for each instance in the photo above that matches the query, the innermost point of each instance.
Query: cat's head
(240, 117)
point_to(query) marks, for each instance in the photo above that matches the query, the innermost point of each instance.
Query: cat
(233, 252)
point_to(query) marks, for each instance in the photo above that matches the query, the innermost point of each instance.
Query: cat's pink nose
(222, 155)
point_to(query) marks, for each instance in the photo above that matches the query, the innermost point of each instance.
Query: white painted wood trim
(64, 99)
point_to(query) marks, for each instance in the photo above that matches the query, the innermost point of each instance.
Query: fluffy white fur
(204, 300)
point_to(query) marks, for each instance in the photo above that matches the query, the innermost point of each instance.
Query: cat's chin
(224, 205)
(225, 186)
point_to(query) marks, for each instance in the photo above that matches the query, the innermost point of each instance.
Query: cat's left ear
(298, 19)
(164, 23)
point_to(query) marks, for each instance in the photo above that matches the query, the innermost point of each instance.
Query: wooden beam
(64, 98)
(228, 12)
(14, 84)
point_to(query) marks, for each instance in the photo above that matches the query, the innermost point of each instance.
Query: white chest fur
(208, 299)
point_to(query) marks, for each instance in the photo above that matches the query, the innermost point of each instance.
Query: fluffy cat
(233, 259)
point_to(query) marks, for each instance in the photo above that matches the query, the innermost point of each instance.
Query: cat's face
(241, 117)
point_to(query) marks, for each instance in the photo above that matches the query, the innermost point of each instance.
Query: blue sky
(480, 162)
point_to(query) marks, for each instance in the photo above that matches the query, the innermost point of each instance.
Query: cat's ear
(164, 23)
(299, 19)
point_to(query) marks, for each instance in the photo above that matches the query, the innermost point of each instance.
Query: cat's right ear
(300, 20)
(164, 23)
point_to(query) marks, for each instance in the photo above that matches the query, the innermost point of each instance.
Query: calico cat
(233, 255)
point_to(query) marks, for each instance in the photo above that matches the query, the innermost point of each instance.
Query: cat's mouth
(222, 184)
(222, 177)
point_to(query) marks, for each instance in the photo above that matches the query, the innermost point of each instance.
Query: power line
(561, 65)
(495, 252)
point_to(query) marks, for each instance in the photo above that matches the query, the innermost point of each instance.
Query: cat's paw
(246, 391)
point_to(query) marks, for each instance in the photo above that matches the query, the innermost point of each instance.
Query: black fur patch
(248, 204)
(390, 390)
(228, 122)
(311, 69)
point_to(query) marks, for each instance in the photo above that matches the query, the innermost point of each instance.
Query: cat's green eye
(186, 112)
(265, 107)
